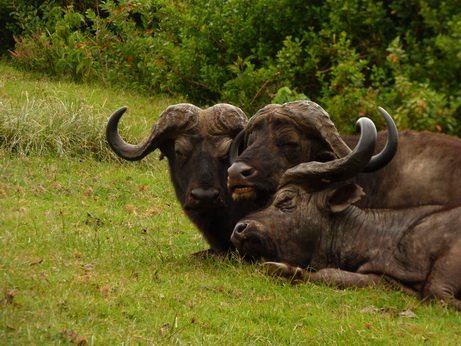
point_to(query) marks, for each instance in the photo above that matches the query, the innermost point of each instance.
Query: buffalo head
(196, 143)
(279, 137)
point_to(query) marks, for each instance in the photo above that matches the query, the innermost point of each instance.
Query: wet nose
(241, 170)
(205, 195)
(240, 228)
(238, 234)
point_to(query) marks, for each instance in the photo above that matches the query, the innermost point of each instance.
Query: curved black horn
(380, 160)
(235, 146)
(315, 174)
(119, 146)
(176, 119)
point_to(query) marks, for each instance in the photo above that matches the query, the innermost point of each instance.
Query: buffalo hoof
(282, 269)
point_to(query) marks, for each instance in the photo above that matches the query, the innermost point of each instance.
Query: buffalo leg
(283, 269)
(343, 278)
(330, 276)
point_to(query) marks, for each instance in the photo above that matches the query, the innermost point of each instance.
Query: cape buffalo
(424, 170)
(196, 143)
(311, 225)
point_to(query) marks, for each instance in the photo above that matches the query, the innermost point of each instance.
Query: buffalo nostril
(240, 227)
(241, 169)
(205, 195)
(248, 172)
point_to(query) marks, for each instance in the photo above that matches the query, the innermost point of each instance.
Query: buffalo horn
(380, 160)
(173, 121)
(235, 146)
(316, 117)
(340, 148)
(314, 175)
(313, 117)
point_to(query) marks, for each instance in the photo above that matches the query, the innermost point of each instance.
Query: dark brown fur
(196, 143)
(417, 249)
(425, 169)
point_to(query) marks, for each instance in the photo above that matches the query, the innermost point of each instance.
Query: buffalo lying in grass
(196, 143)
(425, 169)
(312, 225)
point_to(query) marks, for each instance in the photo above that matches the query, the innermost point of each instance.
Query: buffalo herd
(286, 188)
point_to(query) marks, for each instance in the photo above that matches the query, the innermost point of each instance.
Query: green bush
(348, 56)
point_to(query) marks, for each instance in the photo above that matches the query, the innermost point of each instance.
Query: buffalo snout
(239, 181)
(205, 195)
(241, 170)
(205, 198)
(238, 235)
(251, 241)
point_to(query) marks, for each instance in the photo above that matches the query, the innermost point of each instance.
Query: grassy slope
(99, 251)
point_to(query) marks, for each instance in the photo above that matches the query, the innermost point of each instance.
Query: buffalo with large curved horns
(196, 143)
(424, 169)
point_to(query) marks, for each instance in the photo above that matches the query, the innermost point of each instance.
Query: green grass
(97, 250)
(61, 118)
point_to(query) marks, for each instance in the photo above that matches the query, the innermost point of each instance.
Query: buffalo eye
(285, 202)
(290, 150)
(292, 144)
(251, 138)
(182, 148)
(324, 156)
(223, 159)
(182, 155)
(287, 144)
(221, 148)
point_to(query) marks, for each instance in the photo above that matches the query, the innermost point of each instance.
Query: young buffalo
(310, 224)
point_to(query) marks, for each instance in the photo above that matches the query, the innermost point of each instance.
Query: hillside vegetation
(348, 56)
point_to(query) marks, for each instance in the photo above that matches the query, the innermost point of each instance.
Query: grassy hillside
(95, 250)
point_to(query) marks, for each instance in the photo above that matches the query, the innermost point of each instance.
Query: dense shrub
(349, 56)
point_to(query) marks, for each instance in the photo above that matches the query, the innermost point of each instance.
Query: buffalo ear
(342, 197)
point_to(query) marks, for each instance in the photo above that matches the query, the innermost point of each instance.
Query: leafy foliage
(349, 56)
